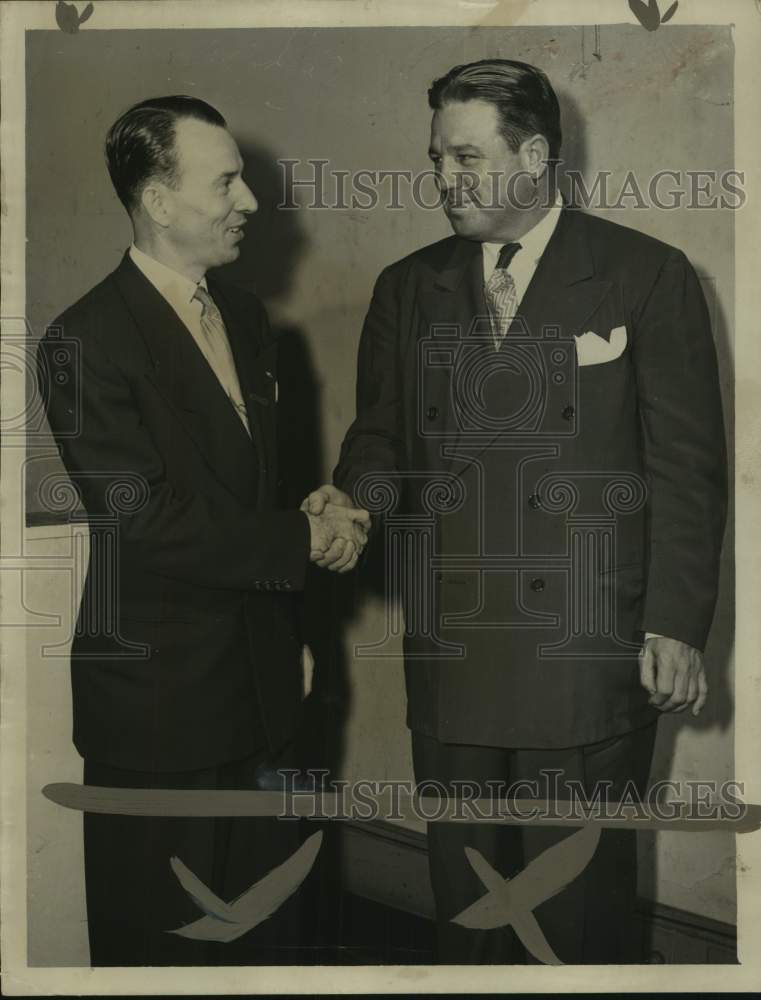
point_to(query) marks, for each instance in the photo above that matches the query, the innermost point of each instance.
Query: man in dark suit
(186, 661)
(541, 388)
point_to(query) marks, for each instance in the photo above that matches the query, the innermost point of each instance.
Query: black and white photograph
(380, 497)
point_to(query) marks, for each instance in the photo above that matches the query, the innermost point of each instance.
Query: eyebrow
(229, 174)
(463, 147)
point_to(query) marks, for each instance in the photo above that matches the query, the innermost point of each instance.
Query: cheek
(192, 222)
(481, 185)
(206, 214)
(221, 217)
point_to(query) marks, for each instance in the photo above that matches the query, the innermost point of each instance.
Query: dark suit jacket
(579, 505)
(186, 652)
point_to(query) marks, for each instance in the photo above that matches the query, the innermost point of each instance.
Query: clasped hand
(338, 529)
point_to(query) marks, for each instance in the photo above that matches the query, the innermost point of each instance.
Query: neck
(162, 251)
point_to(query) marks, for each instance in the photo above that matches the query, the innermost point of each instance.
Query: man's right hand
(338, 535)
(317, 500)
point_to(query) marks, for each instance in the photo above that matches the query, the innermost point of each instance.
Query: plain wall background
(356, 97)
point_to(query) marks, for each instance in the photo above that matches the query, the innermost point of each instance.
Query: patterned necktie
(501, 294)
(218, 352)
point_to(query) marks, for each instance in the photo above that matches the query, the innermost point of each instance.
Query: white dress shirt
(525, 260)
(178, 291)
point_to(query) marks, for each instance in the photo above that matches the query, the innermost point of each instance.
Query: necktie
(501, 294)
(218, 352)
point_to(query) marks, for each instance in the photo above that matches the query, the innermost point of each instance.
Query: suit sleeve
(214, 543)
(373, 443)
(684, 451)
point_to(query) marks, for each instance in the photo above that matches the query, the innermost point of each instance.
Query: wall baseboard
(388, 864)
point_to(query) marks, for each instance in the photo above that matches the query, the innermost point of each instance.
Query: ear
(535, 152)
(156, 203)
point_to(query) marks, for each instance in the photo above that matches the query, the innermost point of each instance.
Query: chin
(228, 256)
(466, 226)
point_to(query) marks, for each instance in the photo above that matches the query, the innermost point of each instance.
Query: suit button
(537, 584)
(535, 501)
(432, 412)
(568, 413)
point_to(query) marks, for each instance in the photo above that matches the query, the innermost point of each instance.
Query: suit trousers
(591, 920)
(134, 899)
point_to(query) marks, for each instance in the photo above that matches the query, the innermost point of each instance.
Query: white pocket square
(591, 349)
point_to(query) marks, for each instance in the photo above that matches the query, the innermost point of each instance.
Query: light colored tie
(501, 294)
(218, 352)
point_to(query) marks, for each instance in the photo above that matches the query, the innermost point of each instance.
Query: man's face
(473, 166)
(208, 209)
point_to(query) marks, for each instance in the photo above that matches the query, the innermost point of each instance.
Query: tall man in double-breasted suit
(160, 387)
(541, 387)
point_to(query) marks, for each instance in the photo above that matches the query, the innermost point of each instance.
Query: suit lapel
(562, 294)
(451, 303)
(182, 375)
(255, 365)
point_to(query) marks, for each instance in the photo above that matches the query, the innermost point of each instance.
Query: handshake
(338, 529)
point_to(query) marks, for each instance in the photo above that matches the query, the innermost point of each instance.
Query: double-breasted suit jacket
(572, 483)
(186, 652)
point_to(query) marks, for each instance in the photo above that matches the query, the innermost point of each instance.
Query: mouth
(459, 209)
(459, 203)
(236, 230)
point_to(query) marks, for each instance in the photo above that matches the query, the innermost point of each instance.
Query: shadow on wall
(269, 259)
(718, 715)
(574, 148)
(719, 711)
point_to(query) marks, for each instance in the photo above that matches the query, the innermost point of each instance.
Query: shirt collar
(176, 288)
(534, 242)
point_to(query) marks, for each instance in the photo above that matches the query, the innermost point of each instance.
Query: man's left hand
(674, 674)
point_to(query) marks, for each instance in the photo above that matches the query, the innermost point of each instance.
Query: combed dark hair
(521, 93)
(140, 143)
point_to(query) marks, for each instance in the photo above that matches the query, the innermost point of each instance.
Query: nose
(445, 176)
(246, 201)
(453, 178)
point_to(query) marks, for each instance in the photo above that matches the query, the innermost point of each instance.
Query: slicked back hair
(140, 145)
(521, 94)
